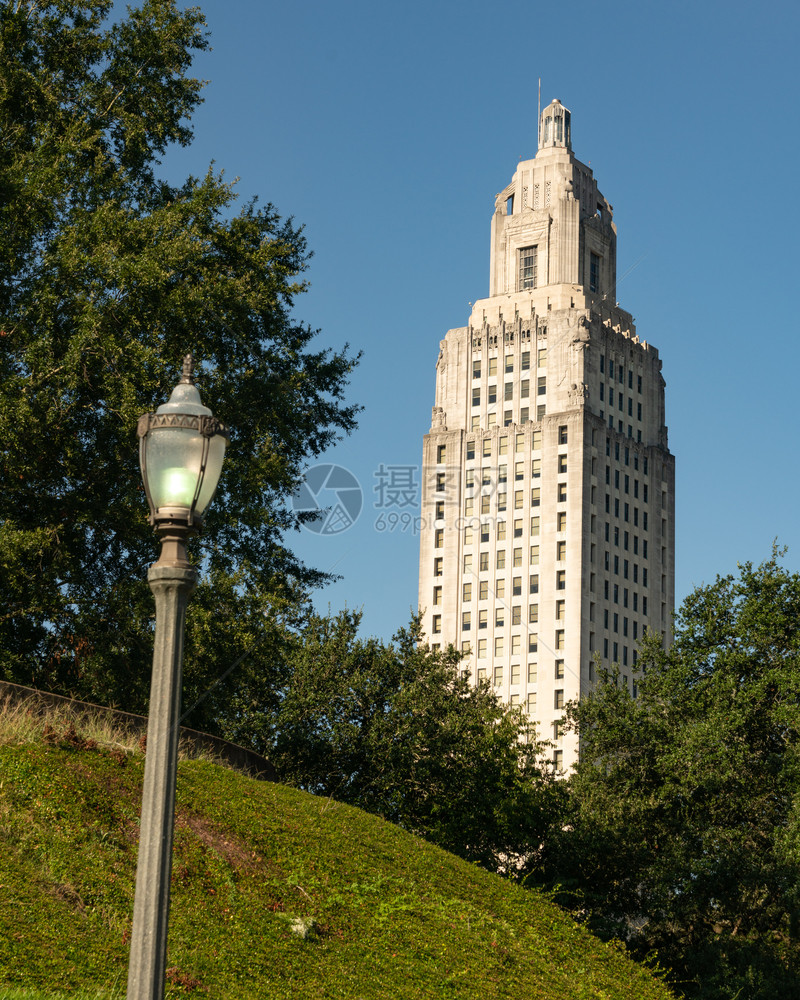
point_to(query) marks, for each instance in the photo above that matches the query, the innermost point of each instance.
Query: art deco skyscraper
(548, 486)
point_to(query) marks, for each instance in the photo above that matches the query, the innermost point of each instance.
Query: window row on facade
(621, 509)
(489, 503)
(470, 589)
(633, 436)
(481, 616)
(499, 675)
(624, 483)
(611, 652)
(612, 622)
(627, 455)
(508, 391)
(481, 590)
(620, 567)
(505, 363)
(506, 418)
(516, 555)
(619, 373)
(517, 586)
(477, 530)
(498, 475)
(484, 447)
(623, 596)
(620, 403)
(482, 562)
(531, 671)
(627, 540)
(516, 646)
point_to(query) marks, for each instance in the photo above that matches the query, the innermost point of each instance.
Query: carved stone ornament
(582, 338)
(207, 426)
(438, 419)
(579, 394)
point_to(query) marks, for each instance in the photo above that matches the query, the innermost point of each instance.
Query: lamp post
(181, 448)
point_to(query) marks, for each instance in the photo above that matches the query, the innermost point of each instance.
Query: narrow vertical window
(527, 268)
(594, 273)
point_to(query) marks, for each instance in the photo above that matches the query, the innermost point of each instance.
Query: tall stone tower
(548, 487)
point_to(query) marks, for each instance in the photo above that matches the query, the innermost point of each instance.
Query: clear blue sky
(387, 129)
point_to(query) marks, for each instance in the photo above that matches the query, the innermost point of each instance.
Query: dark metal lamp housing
(181, 448)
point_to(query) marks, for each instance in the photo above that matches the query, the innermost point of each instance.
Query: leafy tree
(684, 831)
(397, 730)
(108, 276)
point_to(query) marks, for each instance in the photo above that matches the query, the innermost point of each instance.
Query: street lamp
(181, 448)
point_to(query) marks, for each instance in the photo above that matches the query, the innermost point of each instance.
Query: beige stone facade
(548, 490)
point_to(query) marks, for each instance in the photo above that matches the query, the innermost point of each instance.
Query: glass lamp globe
(181, 448)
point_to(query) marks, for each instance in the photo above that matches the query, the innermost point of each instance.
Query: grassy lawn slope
(275, 894)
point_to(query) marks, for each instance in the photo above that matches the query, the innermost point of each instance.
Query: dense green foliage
(395, 729)
(108, 276)
(684, 830)
(275, 894)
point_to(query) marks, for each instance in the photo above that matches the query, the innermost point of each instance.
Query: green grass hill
(275, 894)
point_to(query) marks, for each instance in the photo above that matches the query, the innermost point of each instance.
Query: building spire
(539, 117)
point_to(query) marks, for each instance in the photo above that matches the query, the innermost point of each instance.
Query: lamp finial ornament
(187, 376)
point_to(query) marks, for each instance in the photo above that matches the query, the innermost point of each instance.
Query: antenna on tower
(539, 117)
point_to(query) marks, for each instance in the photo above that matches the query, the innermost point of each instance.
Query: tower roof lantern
(555, 127)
